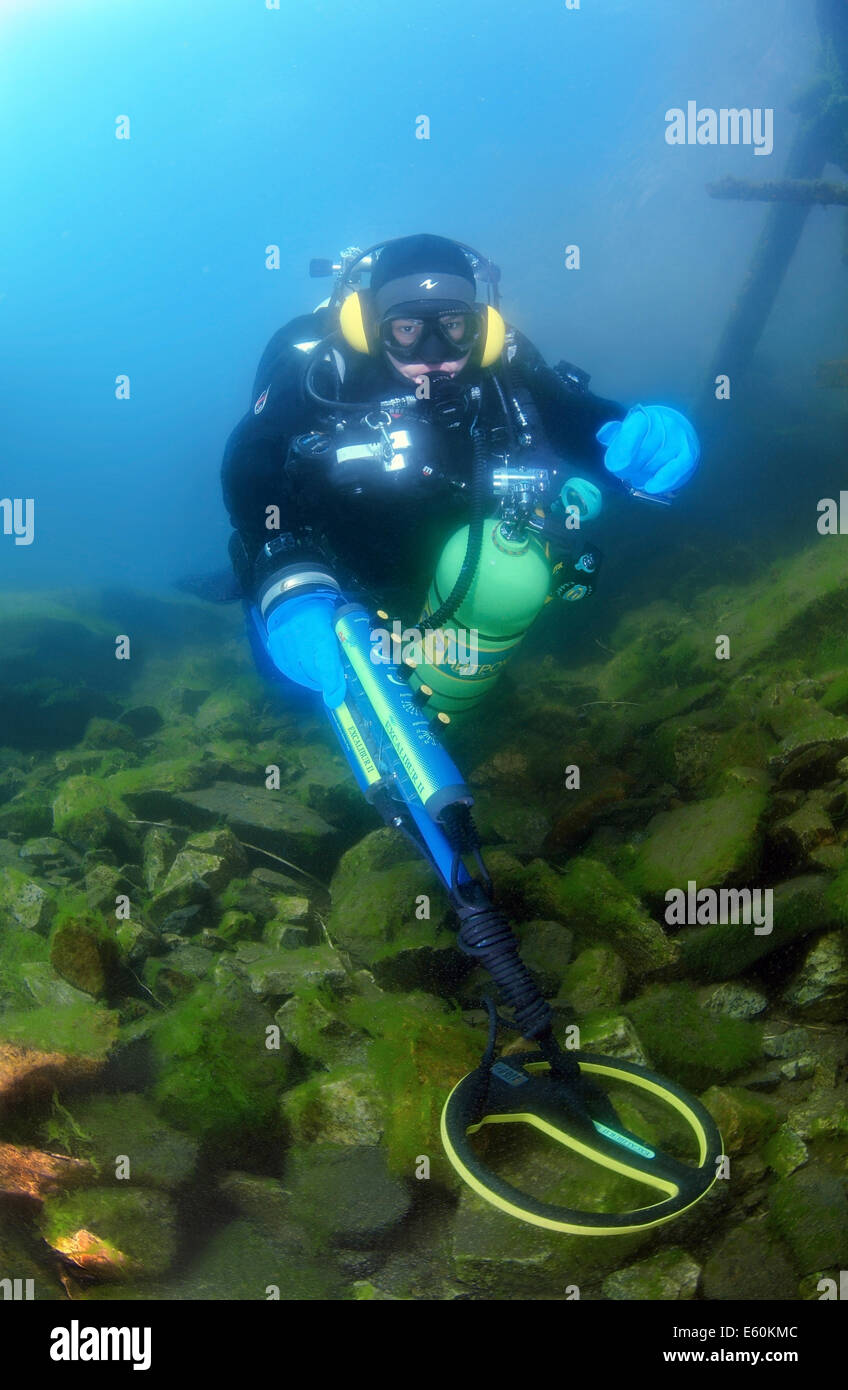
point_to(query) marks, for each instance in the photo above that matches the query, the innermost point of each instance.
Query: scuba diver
(378, 422)
(373, 426)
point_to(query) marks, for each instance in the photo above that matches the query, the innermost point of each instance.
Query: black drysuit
(384, 540)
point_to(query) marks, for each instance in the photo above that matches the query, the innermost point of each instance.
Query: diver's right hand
(302, 643)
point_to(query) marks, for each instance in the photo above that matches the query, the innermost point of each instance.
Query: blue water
(296, 127)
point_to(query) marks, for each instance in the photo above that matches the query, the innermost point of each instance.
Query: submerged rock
(270, 819)
(819, 989)
(25, 902)
(113, 1233)
(744, 1118)
(712, 842)
(345, 1195)
(669, 1275)
(749, 1264)
(125, 1126)
(810, 1210)
(83, 950)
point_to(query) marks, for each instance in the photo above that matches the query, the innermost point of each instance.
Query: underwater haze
(296, 127)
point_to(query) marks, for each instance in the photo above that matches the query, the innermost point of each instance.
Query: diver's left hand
(654, 448)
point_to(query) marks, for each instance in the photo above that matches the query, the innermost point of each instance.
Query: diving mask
(442, 337)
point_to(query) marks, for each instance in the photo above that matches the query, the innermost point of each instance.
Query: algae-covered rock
(24, 902)
(159, 851)
(749, 1264)
(588, 899)
(271, 819)
(241, 1261)
(21, 1259)
(744, 1118)
(736, 999)
(595, 980)
(203, 867)
(341, 1106)
(612, 1035)
(216, 1077)
(819, 989)
(81, 1031)
(83, 950)
(45, 986)
(546, 949)
(711, 842)
(312, 1023)
(126, 1127)
(816, 731)
(392, 917)
(809, 1209)
(785, 1151)
(824, 1113)
(667, 1276)
(344, 1195)
(796, 837)
(88, 813)
(113, 1233)
(697, 1048)
(28, 813)
(289, 971)
(800, 906)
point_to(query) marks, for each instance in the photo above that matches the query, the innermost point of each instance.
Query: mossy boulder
(394, 918)
(744, 1118)
(205, 866)
(420, 1049)
(595, 980)
(159, 851)
(711, 842)
(150, 789)
(688, 1043)
(88, 813)
(24, 902)
(785, 1151)
(280, 972)
(77, 1030)
(589, 900)
(819, 988)
(243, 1261)
(344, 1195)
(29, 813)
(749, 1264)
(271, 819)
(216, 1077)
(108, 733)
(800, 906)
(126, 1126)
(113, 1233)
(84, 950)
(311, 1021)
(809, 1209)
(343, 1105)
(670, 1275)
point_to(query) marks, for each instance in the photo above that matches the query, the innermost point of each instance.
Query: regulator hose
(468, 568)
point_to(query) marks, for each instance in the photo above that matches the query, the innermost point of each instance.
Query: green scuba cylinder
(462, 660)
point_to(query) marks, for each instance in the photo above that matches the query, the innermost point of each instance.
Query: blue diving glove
(654, 448)
(302, 643)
